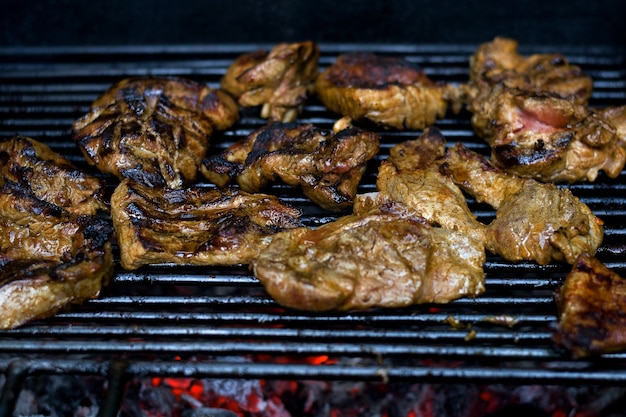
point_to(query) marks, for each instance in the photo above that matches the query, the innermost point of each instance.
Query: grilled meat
(50, 177)
(498, 62)
(326, 165)
(385, 258)
(388, 91)
(55, 250)
(591, 309)
(411, 176)
(154, 130)
(533, 112)
(548, 138)
(534, 221)
(194, 225)
(280, 80)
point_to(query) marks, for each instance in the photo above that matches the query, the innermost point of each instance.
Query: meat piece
(591, 309)
(55, 250)
(50, 177)
(534, 221)
(533, 113)
(280, 80)
(326, 165)
(411, 176)
(548, 138)
(388, 91)
(154, 130)
(195, 225)
(385, 258)
(499, 62)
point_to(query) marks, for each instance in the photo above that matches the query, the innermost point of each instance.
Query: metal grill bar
(205, 316)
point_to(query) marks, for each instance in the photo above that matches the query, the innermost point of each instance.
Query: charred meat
(534, 221)
(327, 165)
(154, 130)
(591, 309)
(50, 177)
(388, 91)
(385, 258)
(533, 112)
(55, 250)
(194, 225)
(551, 139)
(280, 80)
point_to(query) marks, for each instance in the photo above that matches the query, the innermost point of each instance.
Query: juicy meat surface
(548, 138)
(194, 225)
(534, 220)
(154, 130)
(591, 309)
(50, 177)
(388, 91)
(533, 112)
(327, 165)
(55, 250)
(411, 176)
(499, 62)
(280, 80)
(386, 258)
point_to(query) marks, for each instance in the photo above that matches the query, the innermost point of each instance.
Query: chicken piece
(411, 176)
(388, 91)
(550, 139)
(280, 80)
(385, 258)
(534, 221)
(55, 250)
(195, 225)
(154, 130)
(533, 113)
(326, 165)
(591, 309)
(498, 62)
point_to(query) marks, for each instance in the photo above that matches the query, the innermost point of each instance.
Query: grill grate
(201, 321)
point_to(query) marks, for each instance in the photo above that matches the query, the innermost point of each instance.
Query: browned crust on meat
(50, 177)
(195, 225)
(280, 80)
(326, 165)
(386, 258)
(591, 303)
(388, 91)
(534, 113)
(155, 130)
(499, 62)
(534, 220)
(54, 250)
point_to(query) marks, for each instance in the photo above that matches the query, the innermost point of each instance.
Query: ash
(82, 396)
(60, 396)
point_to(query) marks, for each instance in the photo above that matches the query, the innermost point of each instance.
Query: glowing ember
(192, 397)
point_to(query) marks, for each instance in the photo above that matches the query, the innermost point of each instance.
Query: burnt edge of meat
(510, 155)
(390, 92)
(32, 165)
(97, 234)
(57, 242)
(195, 225)
(327, 165)
(367, 70)
(153, 129)
(590, 304)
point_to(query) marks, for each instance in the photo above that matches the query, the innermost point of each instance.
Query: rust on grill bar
(198, 322)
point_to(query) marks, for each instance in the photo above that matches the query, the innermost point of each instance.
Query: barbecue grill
(176, 321)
